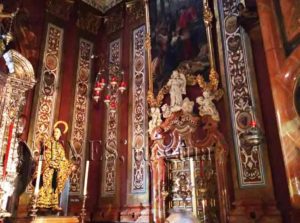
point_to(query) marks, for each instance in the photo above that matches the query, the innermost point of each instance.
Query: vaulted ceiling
(102, 5)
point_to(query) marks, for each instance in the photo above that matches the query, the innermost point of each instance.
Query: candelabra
(34, 210)
(115, 83)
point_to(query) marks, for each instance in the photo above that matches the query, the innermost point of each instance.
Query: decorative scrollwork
(148, 42)
(156, 102)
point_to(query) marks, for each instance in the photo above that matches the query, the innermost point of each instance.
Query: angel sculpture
(156, 118)
(207, 107)
(166, 111)
(187, 105)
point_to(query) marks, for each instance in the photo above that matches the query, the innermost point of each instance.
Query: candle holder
(109, 82)
(33, 210)
(83, 209)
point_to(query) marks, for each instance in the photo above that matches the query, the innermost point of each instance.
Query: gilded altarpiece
(188, 162)
(80, 112)
(111, 133)
(188, 152)
(49, 83)
(242, 102)
(19, 80)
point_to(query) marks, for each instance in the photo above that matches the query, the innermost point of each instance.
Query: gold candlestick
(33, 210)
(83, 209)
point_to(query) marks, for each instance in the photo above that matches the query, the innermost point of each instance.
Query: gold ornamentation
(148, 41)
(183, 186)
(207, 15)
(65, 125)
(192, 80)
(212, 85)
(157, 102)
(54, 164)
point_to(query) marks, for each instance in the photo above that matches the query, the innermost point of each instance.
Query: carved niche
(188, 162)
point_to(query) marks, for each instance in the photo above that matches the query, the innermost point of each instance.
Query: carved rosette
(49, 82)
(139, 120)
(249, 161)
(80, 112)
(111, 147)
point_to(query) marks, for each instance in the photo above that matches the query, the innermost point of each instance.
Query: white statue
(187, 105)
(156, 118)
(207, 107)
(177, 84)
(166, 111)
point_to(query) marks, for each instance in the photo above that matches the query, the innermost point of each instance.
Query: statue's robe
(55, 172)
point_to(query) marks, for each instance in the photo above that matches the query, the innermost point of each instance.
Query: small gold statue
(55, 170)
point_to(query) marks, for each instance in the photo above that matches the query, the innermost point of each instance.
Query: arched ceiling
(102, 5)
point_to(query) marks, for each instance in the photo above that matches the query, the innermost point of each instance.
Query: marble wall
(279, 22)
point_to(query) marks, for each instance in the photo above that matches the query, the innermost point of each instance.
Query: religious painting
(178, 39)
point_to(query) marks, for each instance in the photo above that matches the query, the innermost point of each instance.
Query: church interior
(150, 111)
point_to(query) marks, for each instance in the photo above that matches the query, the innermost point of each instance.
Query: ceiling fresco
(102, 5)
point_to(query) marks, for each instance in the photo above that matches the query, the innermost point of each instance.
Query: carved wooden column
(137, 202)
(253, 188)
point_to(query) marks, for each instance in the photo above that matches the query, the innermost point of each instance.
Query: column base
(248, 211)
(135, 214)
(107, 214)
